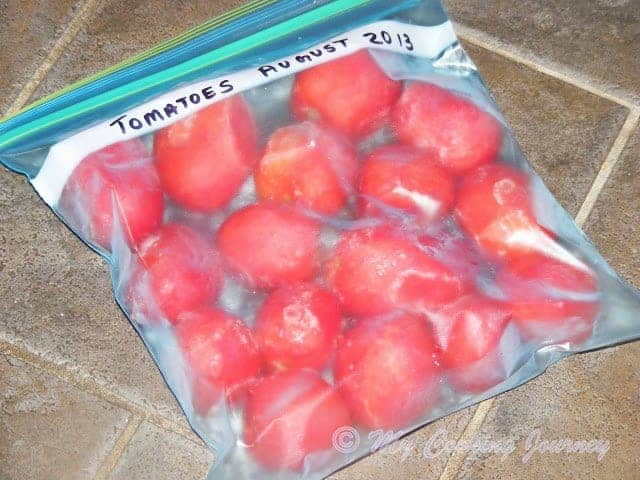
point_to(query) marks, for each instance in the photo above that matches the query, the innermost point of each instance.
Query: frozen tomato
(297, 326)
(177, 271)
(352, 94)
(495, 207)
(220, 353)
(269, 245)
(478, 348)
(571, 275)
(309, 165)
(376, 270)
(405, 178)
(463, 135)
(552, 301)
(203, 159)
(387, 369)
(116, 187)
(291, 415)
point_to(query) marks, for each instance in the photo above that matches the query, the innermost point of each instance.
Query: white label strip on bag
(63, 157)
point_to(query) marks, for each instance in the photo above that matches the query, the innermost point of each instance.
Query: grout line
(457, 458)
(79, 19)
(119, 447)
(95, 389)
(607, 166)
(542, 65)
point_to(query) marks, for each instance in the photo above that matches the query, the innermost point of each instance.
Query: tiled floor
(79, 396)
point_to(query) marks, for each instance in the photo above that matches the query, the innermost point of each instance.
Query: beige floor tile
(154, 454)
(28, 30)
(50, 430)
(598, 38)
(614, 224)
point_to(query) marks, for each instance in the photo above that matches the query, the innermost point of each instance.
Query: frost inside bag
(321, 226)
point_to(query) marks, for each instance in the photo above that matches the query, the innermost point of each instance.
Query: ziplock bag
(321, 226)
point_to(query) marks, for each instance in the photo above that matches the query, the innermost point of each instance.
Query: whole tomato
(352, 94)
(115, 187)
(388, 370)
(477, 346)
(309, 165)
(376, 270)
(221, 355)
(495, 207)
(203, 159)
(432, 118)
(552, 301)
(176, 271)
(291, 415)
(407, 179)
(297, 326)
(269, 245)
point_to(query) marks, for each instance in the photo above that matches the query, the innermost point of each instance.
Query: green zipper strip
(207, 60)
(153, 51)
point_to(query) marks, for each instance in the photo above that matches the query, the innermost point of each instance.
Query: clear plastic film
(331, 238)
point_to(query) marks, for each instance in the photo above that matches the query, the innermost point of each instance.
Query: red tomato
(269, 245)
(405, 178)
(290, 415)
(221, 355)
(495, 208)
(571, 275)
(387, 369)
(376, 270)
(177, 271)
(430, 117)
(476, 345)
(352, 94)
(297, 327)
(117, 185)
(203, 159)
(308, 165)
(552, 301)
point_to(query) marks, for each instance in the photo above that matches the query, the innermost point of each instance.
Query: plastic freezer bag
(321, 226)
